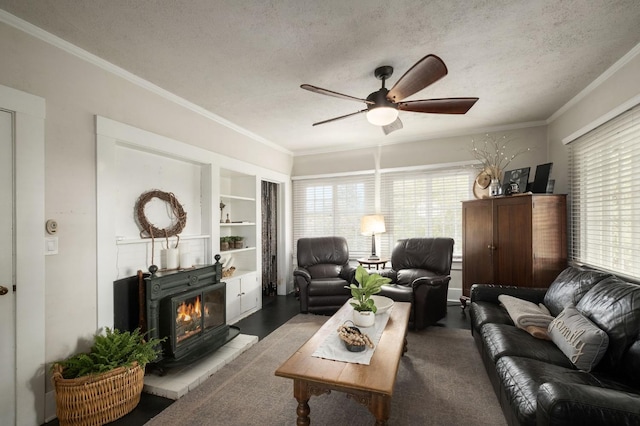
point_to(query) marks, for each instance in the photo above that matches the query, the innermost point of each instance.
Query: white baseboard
(453, 295)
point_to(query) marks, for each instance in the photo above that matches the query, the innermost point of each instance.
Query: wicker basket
(97, 399)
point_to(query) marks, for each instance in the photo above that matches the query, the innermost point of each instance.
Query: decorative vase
(494, 187)
(364, 318)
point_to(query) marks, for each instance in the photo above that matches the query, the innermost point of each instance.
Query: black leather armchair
(420, 269)
(322, 272)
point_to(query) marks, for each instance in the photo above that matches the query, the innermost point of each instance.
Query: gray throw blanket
(524, 313)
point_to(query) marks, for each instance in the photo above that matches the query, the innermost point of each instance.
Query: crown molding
(74, 50)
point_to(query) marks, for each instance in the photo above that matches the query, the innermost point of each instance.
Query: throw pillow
(578, 338)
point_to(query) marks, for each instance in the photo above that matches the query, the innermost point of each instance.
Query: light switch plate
(50, 245)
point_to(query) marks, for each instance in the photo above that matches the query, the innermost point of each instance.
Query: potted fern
(104, 384)
(364, 307)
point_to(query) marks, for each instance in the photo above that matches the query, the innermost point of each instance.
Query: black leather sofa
(419, 274)
(535, 381)
(322, 273)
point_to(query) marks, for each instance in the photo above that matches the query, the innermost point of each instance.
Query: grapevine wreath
(178, 213)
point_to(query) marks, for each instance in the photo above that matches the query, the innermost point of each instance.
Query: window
(604, 172)
(425, 204)
(333, 207)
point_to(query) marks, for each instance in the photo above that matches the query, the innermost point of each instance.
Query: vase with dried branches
(494, 155)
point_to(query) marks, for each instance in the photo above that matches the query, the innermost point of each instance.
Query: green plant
(368, 285)
(111, 350)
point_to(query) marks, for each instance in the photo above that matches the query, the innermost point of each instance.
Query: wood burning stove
(189, 309)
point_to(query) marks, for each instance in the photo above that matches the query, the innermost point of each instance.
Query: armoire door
(512, 240)
(478, 261)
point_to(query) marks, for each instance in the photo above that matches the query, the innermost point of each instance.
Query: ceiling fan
(383, 105)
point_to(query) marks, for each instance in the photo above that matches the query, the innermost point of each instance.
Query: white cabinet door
(233, 298)
(249, 291)
(242, 295)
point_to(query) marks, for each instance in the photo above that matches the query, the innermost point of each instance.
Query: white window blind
(425, 204)
(333, 207)
(603, 180)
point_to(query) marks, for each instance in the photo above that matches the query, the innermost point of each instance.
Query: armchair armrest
(389, 273)
(303, 273)
(490, 293)
(574, 404)
(348, 273)
(432, 281)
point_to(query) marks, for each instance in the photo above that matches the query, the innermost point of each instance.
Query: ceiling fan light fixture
(381, 116)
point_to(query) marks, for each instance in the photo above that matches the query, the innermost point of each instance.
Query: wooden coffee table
(370, 385)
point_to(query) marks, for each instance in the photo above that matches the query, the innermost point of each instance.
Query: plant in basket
(104, 384)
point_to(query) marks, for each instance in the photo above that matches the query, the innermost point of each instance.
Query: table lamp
(371, 225)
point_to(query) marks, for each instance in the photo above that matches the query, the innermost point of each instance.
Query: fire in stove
(188, 319)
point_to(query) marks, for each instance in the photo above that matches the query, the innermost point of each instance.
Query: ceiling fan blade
(439, 106)
(322, 91)
(426, 71)
(396, 125)
(338, 118)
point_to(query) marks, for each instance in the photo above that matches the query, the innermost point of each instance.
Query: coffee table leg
(380, 406)
(302, 395)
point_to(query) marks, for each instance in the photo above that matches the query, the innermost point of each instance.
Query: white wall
(75, 92)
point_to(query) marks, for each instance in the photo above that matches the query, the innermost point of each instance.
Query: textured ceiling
(245, 60)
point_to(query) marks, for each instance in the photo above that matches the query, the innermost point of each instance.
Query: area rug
(441, 381)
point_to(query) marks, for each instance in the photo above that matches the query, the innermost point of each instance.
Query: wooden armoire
(516, 240)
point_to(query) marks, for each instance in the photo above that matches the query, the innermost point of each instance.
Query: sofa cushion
(578, 338)
(328, 287)
(614, 306)
(521, 377)
(506, 340)
(569, 287)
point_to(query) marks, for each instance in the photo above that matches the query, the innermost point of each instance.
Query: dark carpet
(441, 381)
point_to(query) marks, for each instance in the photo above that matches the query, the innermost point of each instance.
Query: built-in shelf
(237, 197)
(222, 252)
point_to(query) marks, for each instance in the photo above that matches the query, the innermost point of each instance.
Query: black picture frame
(519, 176)
(543, 171)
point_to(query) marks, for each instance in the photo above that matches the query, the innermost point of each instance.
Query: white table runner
(333, 347)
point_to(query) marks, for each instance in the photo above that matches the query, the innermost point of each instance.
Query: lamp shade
(381, 116)
(372, 224)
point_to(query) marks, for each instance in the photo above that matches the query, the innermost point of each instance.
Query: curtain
(269, 238)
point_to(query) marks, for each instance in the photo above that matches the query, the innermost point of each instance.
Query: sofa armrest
(490, 293)
(432, 281)
(574, 404)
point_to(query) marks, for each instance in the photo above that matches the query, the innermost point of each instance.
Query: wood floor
(276, 311)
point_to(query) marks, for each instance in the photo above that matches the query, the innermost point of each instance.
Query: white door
(7, 296)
